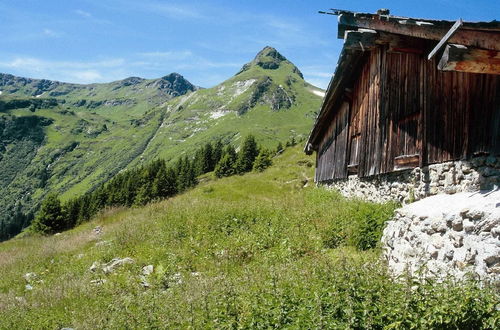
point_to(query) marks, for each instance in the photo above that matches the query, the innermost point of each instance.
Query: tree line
(153, 181)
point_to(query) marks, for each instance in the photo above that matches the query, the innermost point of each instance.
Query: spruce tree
(208, 165)
(262, 161)
(71, 211)
(225, 167)
(50, 218)
(247, 155)
(165, 183)
(217, 152)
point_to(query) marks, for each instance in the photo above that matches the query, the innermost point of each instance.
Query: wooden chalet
(408, 92)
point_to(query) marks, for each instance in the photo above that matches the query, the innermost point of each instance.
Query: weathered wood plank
(473, 60)
(468, 37)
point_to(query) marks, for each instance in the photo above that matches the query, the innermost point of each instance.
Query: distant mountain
(69, 138)
(130, 94)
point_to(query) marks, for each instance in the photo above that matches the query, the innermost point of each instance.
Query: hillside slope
(263, 250)
(268, 98)
(69, 138)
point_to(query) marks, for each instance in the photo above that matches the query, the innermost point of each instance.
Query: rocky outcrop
(172, 85)
(269, 59)
(446, 235)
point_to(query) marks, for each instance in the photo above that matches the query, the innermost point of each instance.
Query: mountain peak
(270, 59)
(269, 52)
(174, 84)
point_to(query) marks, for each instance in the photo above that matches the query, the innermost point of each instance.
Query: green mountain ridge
(85, 134)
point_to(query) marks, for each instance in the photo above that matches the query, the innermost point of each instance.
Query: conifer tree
(217, 152)
(207, 165)
(165, 183)
(262, 161)
(247, 154)
(71, 211)
(226, 165)
(144, 195)
(50, 218)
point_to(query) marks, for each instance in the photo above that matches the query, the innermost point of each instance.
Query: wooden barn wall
(403, 107)
(331, 159)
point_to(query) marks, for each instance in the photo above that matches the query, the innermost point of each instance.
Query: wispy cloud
(176, 11)
(71, 71)
(83, 13)
(51, 33)
(167, 55)
(110, 69)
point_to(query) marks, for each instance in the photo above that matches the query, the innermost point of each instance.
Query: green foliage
(50, 219)
(359, 224)
(279, 148)
(263, 160)
(247, 154)
(226, 166)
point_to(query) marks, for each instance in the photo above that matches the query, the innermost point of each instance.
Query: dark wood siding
(332, 155)
(404, 113)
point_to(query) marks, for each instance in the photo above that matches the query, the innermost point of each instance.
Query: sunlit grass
(252, 251)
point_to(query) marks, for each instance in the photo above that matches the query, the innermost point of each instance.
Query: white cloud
(83, 13)
(70, 71)
(86, 76)
(174, 10)
(51, 33)
(167, 55)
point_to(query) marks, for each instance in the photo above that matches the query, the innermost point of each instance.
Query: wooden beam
(466, 59)
(465, 36)
(406, 161)
(445, 39)
(363, 40)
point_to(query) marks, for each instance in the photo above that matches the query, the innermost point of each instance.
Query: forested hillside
(69, 139)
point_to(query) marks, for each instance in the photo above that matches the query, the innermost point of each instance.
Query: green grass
(252, 251)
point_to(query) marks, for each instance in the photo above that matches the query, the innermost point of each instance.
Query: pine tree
(50, 218)
(225, 167)
(208, 165)
(247, 155)
(186, 177)
(144, 195)
(262, 161)
(71, 211)
(165, 183)
(217, 152)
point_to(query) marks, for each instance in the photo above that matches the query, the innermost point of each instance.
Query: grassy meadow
(262, 250)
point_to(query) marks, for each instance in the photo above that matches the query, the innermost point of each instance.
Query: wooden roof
(468, 46)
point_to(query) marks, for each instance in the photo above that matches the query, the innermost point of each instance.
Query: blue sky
(87, 41)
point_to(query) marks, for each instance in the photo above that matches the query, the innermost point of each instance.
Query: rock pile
(446, 235)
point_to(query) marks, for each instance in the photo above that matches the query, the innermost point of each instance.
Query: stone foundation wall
(446, 235)
(479, 173)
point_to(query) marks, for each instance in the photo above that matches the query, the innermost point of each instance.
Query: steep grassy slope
(268, 98)
(56, 149)
(261, 250)
(88, 133)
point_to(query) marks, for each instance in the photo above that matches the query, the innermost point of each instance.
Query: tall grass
(253, 251)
